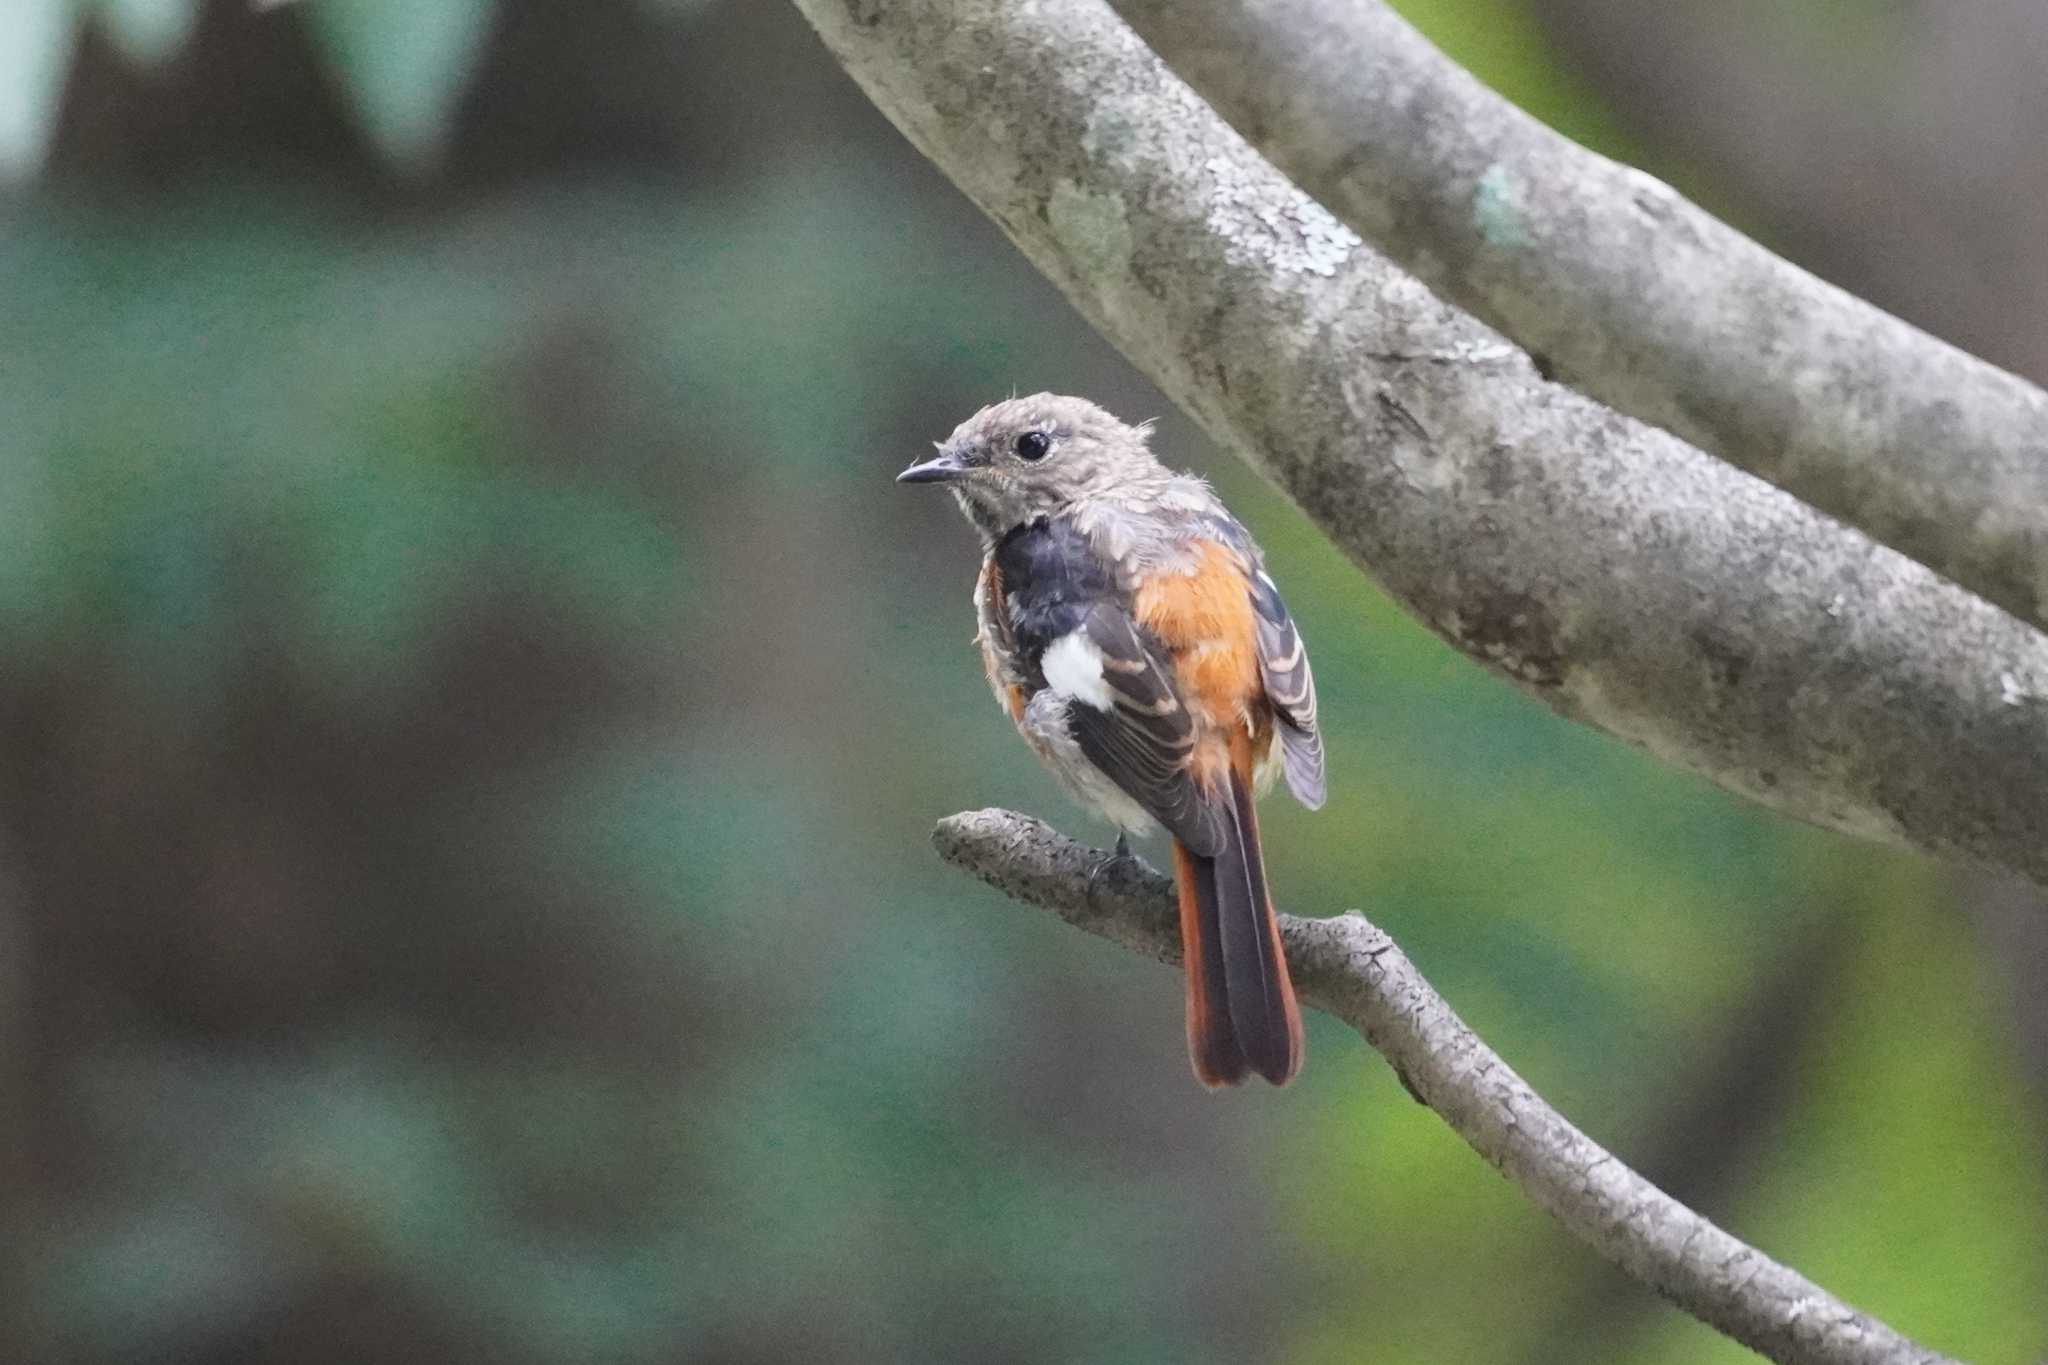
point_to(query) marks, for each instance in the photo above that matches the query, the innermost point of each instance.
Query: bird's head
(1026, 458)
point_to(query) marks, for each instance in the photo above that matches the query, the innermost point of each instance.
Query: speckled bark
(1631, 293)
(1350, 969)
(1630, 580)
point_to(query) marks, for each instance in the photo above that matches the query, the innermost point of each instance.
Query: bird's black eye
(1032, 445)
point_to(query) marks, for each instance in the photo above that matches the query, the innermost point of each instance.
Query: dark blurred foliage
(475, 700)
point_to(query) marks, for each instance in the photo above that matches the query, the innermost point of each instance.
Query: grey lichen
(1281, 225)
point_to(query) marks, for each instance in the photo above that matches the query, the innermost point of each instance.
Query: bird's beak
(945, 467)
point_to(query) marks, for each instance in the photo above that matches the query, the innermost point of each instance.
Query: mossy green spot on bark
(1497, 209)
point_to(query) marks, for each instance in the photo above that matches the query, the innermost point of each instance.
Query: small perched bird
(1129, 628)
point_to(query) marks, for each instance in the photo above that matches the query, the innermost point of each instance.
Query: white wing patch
(1073, 668)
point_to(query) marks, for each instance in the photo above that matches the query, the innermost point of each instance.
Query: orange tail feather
(1242, 1012)
(1212, 1042)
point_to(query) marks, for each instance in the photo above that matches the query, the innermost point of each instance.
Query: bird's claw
(1120, 856)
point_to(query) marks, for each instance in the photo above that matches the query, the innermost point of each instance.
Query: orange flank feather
(1205, 619)
(988, 596)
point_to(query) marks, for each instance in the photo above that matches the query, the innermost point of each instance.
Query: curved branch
(1629, 580)
(1352, 970)
(1634, 295)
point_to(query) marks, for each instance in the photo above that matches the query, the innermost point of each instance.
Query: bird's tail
(1242, 1014)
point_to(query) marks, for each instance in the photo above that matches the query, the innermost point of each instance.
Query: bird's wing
(1291, 688)
(1000, 662)
(1133, 723)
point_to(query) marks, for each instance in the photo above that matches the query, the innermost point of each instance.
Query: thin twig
(1352, 970)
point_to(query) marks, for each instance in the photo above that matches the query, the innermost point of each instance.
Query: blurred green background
(475, 702)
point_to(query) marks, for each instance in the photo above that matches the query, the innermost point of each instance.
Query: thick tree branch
(1350, 969)
(1634, 295)
(1628, 579)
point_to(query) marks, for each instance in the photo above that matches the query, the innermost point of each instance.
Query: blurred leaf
(148, 31)
(36, 40)
(172, 1271)
(403, 64)
(386, 553)
(365, 1167)
(684, 830)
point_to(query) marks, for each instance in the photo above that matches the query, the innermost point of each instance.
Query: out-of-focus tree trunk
(1913, 176)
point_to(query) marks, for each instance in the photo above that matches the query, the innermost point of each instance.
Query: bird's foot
(1119, 859)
